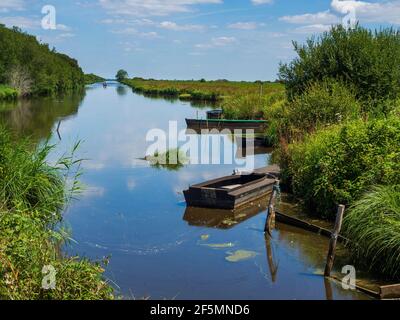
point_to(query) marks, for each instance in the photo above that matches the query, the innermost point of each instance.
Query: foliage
(336, 165)
(32, 195)
(172, 160)
(373, 226)
(7, 93)
(121, 75)
(323, 104)
(26, 246)
(212, 91)
(246, 107)
(365, 60)
(93, 78)
(32, 68)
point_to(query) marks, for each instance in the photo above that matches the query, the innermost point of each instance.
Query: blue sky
(189, 39)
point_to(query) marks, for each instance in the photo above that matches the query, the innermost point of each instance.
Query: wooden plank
(390, 291)
(333, 242)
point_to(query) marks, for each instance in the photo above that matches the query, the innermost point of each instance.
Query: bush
(26, 246)
(7, 93)
(245, 107)
(365, 60)
(336, 165)
(32, 195)
(322, 104)
(373, 226)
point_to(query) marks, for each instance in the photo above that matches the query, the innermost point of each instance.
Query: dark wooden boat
(229, 192)
(222, 218)
(215, 114)
(258, 126)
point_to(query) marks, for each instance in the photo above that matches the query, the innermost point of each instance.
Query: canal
(135, 214)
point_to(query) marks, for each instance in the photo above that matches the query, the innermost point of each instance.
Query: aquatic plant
(173, 159)
(373, 226)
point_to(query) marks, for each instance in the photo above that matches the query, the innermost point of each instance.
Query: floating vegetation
(220, 245)
(205, 237)
(240, 255)
(173, 160)
(229, 222)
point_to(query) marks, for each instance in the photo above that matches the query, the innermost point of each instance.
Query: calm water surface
(136, 214)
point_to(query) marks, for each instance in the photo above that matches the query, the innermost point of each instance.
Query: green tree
(368, 61)
(121, 75)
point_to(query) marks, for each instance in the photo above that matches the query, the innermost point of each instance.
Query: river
(135, 214)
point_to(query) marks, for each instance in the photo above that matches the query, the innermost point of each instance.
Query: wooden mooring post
(270, 223)
(333, 241)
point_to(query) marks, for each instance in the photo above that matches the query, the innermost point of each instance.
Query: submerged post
(270, 223)
(333, 241)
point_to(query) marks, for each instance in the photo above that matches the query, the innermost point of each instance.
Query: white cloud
(217, 42)
(143, 8)
(21, 22)
(11, 5)
(382, 12)
(325, 17)
(243, 25)
(175, 27)
(134, 32)
(314, 28)
(259, 2)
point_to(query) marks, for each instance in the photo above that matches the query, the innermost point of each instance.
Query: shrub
(337, 164)
(322, 104)
(26, 246)
(367, 61)
(373, 226)
(245, 107)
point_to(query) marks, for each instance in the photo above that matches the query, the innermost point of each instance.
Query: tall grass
(7, 93)
(373, 226)
(33, 194)
(201, 90)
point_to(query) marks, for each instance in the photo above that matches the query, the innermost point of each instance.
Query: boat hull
(210, 124)
(212, 194)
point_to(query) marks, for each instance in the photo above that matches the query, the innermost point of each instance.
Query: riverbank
(33, 195)
(212, 91)
(7, 93)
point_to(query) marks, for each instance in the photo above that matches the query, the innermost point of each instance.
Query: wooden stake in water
(333, 242)
(270, 223)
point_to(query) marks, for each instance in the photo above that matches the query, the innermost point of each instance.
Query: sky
(188, 39)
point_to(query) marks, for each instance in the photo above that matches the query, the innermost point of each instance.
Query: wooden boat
(215, 114)
(229, 192)
(258, 126)
(224, 219)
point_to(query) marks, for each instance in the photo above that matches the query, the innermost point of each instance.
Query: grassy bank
(201, 90)
(373, 224)
(33, 195)
(7, 93)
(93, 78)
(337, 135)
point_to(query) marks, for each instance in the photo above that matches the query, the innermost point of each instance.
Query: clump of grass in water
(173, 159)
(373, 226)
(32, 195)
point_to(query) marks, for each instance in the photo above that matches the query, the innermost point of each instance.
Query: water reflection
(122, 90)
(223, 219)
(37, 117)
